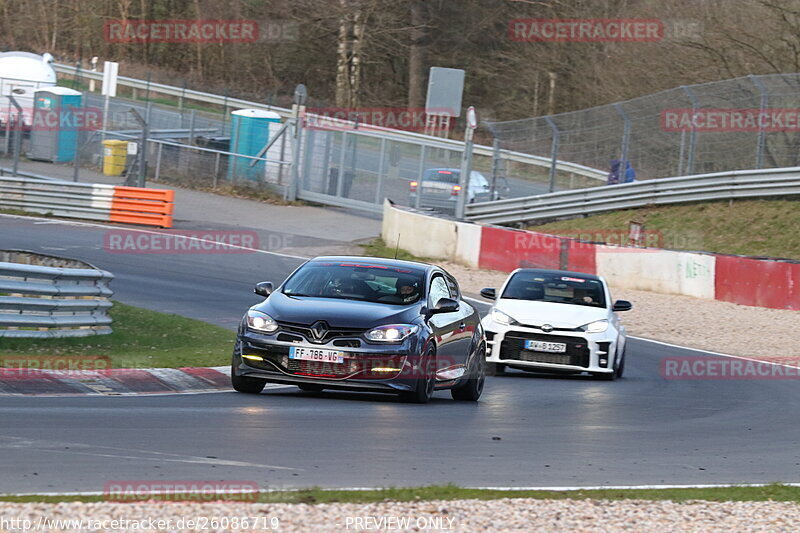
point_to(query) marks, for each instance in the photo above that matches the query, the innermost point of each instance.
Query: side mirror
(622, 305)
(263, 288)
(445, 305)
(489, 293)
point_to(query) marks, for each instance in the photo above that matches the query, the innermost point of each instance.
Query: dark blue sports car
(359, 323)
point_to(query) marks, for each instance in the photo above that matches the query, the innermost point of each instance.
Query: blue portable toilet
(251, 129)
(58, 118)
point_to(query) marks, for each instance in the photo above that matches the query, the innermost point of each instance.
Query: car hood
(337, 313)
(556, 314)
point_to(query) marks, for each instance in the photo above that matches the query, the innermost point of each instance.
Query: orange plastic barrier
(136, 205)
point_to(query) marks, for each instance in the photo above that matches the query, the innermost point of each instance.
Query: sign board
(445, 89)
(110, 73)
(133, 148)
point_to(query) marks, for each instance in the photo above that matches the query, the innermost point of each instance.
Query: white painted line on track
(151, 232)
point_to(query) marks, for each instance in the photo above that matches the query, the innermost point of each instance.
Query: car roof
(376, 261)
(549, 272)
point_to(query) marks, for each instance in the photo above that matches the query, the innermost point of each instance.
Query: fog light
(603, 362)
(253, 357)
(385, 369)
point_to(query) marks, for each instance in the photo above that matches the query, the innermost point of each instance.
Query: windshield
(444, 175)
(555, 288)
(356, 281)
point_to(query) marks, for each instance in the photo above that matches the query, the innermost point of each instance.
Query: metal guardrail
(215, 99)
(106, 203)
(39, 301)
(696, 188)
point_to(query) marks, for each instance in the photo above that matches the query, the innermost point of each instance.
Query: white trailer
(21, 74)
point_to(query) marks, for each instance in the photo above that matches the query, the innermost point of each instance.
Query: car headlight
(596, 327)
(391, 333)
(261, 322)
(502, 318)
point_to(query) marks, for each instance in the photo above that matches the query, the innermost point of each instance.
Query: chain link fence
(743, 123)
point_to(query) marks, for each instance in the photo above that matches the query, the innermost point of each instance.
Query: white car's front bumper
(586, 352)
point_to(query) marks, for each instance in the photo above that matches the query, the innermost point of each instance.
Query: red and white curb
(115, 382)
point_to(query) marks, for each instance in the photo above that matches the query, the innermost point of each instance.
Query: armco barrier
(741, 280)
(42, 301)
(759, 282)
(107, 203)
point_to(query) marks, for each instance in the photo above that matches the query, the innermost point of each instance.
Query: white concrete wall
(658, 270)
(419, 234)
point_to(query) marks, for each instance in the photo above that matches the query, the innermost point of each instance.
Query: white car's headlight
(261, 322)
(596, 327)
(501, 318)
(391, 333)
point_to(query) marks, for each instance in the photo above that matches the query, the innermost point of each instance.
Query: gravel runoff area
(458, 515)
(758, 332)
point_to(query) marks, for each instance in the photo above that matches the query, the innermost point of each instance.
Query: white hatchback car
(555, 321)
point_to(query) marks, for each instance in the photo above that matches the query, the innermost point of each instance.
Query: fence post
(147, 93)
(216, 171)
(553, 153)
(420, 174)
(626, 134)
(379, 186)
(142, 147)
(762, 108)
(496, 162)
(340, 176)
(466, 171)
(693, 132)
(180, 99)
(191, 127)
(17, 134)
(158, 161)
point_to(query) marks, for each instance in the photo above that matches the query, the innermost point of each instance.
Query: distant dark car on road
(364, 324)
(439, 189)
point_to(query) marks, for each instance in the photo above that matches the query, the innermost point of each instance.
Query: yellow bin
(114, 155)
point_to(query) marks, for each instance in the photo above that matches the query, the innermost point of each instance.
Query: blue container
(251, 130)
(58, 119)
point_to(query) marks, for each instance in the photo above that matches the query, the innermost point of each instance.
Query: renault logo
(319, 330)
(547, 328)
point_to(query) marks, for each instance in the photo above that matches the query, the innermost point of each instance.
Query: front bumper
(586, 352)
(356, 373)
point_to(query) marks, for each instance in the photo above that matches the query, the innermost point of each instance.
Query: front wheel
(472, 388)
(425, 383)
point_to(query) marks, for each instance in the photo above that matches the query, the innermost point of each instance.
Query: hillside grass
(769, 228)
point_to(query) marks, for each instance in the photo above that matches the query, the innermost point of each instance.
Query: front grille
(513, 347)
(332, 333)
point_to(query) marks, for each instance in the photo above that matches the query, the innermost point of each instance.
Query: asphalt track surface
(527, 430)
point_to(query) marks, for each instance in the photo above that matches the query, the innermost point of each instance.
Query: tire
(472, 388)
(423, 386)
(243, 383)
(495, 369)
(310, 388)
